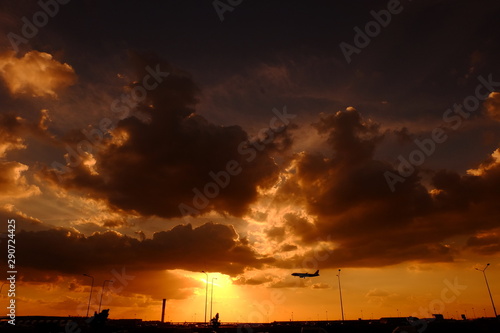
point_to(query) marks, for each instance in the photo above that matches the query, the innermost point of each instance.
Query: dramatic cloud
(35, 74)
(174, 162)
(349, 201)
(212, 247)
(120, 165)
(478, 188)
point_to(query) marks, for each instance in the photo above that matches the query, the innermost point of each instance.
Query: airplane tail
(317, 272)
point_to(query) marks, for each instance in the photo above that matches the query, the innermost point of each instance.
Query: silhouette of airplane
(304, 275)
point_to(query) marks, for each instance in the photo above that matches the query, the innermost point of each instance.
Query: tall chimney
(163, 311)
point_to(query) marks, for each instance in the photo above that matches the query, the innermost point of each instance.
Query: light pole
(90, 296)
(206, 296)
(340, 292)
(102, 292)
(488, 286)
(212, 297)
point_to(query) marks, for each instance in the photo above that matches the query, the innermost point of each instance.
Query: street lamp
(90, 296)
(206, 296)
(212, 297)
(102, 292)
(340, 291)
(488, 286)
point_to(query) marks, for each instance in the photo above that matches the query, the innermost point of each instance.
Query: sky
(143, 143)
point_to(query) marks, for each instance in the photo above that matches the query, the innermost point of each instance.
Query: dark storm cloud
(153, 165)
(352, 177)
(371, 226)
(152, 162)
(477, 188)
(212, 247)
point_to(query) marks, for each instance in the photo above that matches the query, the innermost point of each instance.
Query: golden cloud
(12, 182)
(492, 105)
(36, 74)
(492, 162)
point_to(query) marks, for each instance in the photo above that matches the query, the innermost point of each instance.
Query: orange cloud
(492, 162)
(348, 203)
(9, 136)
(36, 74)
(485, 243)
(493, 106)
(165, 166)
(213, 247)
(13, 184)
